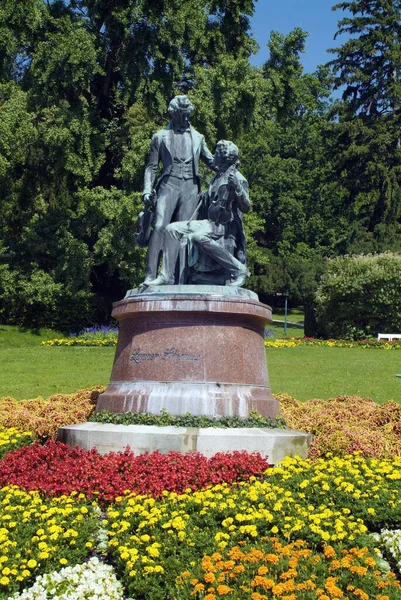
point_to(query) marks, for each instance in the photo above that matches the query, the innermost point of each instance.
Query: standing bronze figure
(178, 148)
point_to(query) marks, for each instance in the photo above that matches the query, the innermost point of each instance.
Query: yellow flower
(32, 563)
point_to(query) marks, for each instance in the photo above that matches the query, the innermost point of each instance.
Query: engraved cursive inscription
(138, 356)
(171, 354)
(174, 354)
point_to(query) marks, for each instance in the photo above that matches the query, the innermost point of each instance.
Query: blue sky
(314, 16)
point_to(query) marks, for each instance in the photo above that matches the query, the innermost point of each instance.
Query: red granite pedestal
(203, 354)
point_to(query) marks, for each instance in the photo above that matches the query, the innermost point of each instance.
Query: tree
(83, 85)
(369, 63)
(365, 133)
(282, 159)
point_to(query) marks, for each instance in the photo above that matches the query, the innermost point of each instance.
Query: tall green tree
(83, 85)
(282, 158)
(365, 134)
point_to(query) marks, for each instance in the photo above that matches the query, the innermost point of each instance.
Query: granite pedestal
(199, 351)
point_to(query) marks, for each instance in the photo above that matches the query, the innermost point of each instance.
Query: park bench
(388, 336)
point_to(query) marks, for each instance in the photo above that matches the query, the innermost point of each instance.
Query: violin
(220, 207)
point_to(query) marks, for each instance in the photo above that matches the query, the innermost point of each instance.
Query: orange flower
(306, 585)
(263, 570)
(223, 590)
(272, 558)
(335, 564)
(198, 588)
(358, 570)
(209, 577)
(210, 597)
(361, 594)
(329, 552)
(263, 582)
(288, 574)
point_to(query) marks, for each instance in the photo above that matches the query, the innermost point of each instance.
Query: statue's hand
(148, 200)
(234, 182)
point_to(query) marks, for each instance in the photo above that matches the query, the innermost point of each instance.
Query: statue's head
(226, 154)
(180, 109)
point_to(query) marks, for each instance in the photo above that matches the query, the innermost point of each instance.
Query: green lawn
(13, 337)
(29, 370)
(294, 316)
(308, 372)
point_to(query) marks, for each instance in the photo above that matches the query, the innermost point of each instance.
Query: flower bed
(38, 535)
(300, 531)
(103, 335)
(346, 424)
(74, 524)
(56, 469)
(111, 340)
(295, 342)
(12, 439)
(44, 417)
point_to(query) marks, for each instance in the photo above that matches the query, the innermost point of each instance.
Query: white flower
(93, 580)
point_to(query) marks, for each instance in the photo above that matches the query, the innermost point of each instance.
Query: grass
(29, 370)
(14, 337)
(310, 372)
(294, 315)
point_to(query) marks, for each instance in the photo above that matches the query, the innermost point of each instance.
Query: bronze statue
(222, 208)
(178, 147)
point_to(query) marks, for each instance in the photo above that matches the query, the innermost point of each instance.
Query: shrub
(359, 296)
(44, 417)
(35, 300)
(346, 424)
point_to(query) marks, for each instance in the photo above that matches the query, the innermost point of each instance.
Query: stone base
(205, 291)
(191, 350)
(179, 398)
(273, 444)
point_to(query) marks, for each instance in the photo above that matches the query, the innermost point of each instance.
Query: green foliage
(34, 300)
(282, 160)
(359, 296)
(82, 90)
(166, 419)
(364, 140)
(369, 63)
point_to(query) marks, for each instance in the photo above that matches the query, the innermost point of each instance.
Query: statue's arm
(151, 167)
(206, 155)
(241, 190)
